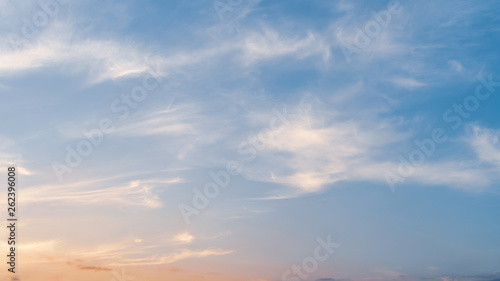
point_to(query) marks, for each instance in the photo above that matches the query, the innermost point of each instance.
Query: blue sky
(317, 101)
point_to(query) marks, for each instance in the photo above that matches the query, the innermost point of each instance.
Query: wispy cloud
(269, 44)
(309, 154)
(409, 83)
(484, 142)
(184, 254)
(9, 156)
(183, 238)
(102, 191)
(100, 59)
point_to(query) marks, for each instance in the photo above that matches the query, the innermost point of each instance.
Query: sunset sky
(231, 140)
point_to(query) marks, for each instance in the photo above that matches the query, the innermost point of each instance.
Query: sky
(251, 140)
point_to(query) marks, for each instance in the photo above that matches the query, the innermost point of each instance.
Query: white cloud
(269, 44)
(463, 175)
(102, 59)
(103, 191)
(166, 259)
(406, 82)
(456, 65)
(183, 238)
(178, 119)
(310, 153)
(485, 143)
(9, 157)
(105, 59)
